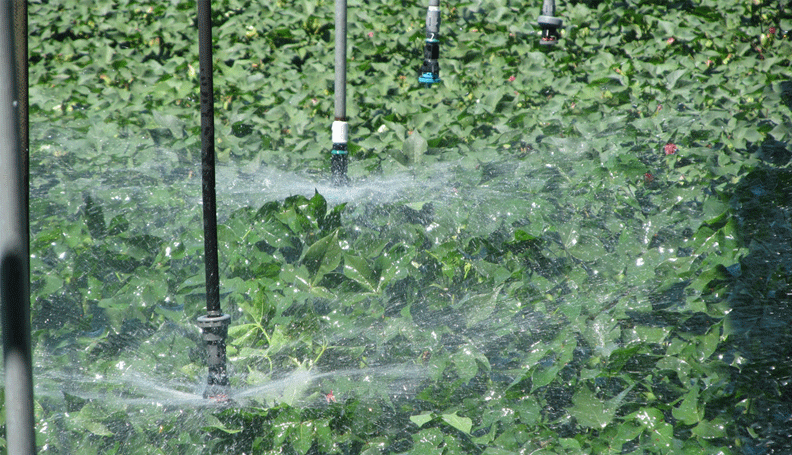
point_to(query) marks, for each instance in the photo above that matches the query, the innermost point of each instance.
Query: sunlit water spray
(496, 194)
(301, 387)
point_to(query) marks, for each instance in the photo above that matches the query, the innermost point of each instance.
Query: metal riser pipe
(215, 324)
(340, 130)
(14, 238)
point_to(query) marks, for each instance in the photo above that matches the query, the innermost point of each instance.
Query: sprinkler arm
(549, 24)
(430, 70)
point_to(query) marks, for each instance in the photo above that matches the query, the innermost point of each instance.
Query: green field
(578, 250)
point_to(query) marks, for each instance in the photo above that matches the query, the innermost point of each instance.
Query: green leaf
(711, 429)
(357, 269)
(421, 419)
(479, 308)
(213, 422)
(322, 257)
(661, 434)
(688, 410)
(463, 424)
(414, 147)
(592, 412)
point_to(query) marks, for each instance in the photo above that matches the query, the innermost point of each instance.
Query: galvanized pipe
(14, 248)
(340, 58)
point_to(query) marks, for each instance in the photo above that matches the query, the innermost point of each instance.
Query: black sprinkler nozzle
(214, 331)
(549, 24)
(430, 70)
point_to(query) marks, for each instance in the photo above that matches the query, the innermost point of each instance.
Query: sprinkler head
(429, 79)
(549, 24)
(430, 70)
(214, 331)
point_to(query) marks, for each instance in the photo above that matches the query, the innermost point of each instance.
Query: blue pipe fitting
(339, 149)
(429, 78)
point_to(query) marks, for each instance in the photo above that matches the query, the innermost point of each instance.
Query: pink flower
(670, 148)
(670, 40)
(512, 78)
(771, 30)
(371, 34)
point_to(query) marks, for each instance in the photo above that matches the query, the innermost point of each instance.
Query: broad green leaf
(357, 269)
(322, 257)
(592, 412)
(463, 424)
(688, 410)
(711, 429)
(480, 307)
(421, 419)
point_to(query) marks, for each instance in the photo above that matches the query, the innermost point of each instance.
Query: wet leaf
(421, 419)
(463, 424)
(322, 257)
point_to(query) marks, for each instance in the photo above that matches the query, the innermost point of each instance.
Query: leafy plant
(590, 254)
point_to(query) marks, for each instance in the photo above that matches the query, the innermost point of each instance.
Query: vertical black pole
(215, 324)
(21, 62)
(208, 157)
(14, 246)
(340, 130)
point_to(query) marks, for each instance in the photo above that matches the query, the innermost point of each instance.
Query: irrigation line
(14, 244)
(340, 129)
(208, 158)
(21, 60)
(214, 325)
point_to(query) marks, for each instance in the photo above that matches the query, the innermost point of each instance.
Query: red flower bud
(670, 148)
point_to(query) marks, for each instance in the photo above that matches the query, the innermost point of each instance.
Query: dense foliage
(594, 255)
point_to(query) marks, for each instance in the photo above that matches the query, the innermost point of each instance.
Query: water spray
(214, 325)
(549, 24)
(430, 70)
(340, 129)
